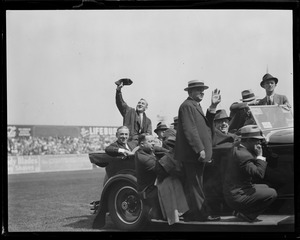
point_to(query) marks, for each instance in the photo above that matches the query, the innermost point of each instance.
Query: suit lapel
(199, 108)
(121, 145)
(265, 101)
(276, 99)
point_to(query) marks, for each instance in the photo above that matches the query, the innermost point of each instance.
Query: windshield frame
(282, 117)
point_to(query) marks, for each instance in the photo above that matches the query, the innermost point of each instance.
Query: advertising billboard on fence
(19, 131)
(89, 131)
(48, 163)
(23, 164)
(14, 131)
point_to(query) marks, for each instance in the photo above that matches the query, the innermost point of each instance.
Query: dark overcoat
(145, 169)
(194, 132)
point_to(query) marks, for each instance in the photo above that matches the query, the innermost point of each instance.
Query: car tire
(125, 207)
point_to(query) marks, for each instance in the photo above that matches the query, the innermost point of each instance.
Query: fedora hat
(160, 126)
(221, 114)
(195, 83)
(248, 95)
(268, 77)
(125, 81)
(251, 131)
(175, 119)
(169, 132)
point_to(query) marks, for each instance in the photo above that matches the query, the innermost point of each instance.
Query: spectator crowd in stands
(20, 146)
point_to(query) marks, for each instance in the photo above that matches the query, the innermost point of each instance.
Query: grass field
(59, 202)
(53, 201)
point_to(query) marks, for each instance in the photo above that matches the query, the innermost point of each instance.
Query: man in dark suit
(135, 119)
(214, 172)
(194, 146)
(160, 130)
(121, 147)
(240, 113)
(248, 200)
(269, 83)
(147, 169)
(221, 124)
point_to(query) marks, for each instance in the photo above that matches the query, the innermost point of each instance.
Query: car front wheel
(125, 207)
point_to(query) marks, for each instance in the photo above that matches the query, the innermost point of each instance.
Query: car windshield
(272, 117)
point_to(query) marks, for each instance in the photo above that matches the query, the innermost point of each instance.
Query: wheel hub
(124, 205)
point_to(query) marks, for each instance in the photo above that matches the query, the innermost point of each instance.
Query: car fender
(120, 177)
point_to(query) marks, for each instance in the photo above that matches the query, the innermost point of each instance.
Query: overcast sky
(62, 65)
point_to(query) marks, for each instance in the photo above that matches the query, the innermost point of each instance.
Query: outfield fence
(48, 163)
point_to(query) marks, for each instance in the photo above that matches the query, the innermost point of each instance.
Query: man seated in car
(214, 171)
(146, 173)
(171, 195)
(122, 147)
(240, 113)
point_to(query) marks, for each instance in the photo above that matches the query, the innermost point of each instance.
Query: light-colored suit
(277, 99)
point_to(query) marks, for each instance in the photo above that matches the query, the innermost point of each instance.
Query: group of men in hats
(193, 136)
(197, 133)
(239, 111)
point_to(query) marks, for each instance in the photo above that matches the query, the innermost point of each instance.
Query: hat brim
(203, 86)
(248, 99)
(125, 81)
(263, 81)
(160, 129)
(229, 118)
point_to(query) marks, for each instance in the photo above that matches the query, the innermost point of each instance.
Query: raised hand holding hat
(122, 82)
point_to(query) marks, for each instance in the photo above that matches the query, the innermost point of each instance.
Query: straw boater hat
(195, 83)
(251, 131)
(125, 81)
(268, 77)
(160, 126)
(221, 114)
(248, 95)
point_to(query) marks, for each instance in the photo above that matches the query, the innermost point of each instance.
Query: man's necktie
(269, 101)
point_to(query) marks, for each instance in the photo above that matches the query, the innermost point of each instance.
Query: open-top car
(120, 198)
